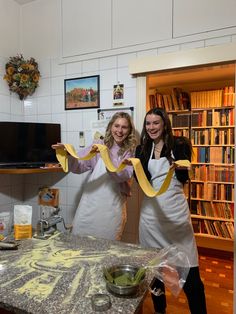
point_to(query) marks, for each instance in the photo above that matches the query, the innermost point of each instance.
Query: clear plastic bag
(172, 268)
(5, 224)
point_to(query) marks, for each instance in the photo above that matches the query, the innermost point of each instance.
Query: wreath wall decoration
(22, 75)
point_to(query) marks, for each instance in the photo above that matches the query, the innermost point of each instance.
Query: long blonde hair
(129, 143)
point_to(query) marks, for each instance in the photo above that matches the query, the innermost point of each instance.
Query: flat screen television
(28, 144)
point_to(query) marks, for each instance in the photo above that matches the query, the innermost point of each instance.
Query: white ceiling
(23, 1)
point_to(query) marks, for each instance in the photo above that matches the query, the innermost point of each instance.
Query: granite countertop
(61, 274)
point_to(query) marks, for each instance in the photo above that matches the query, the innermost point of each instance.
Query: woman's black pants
(193, 288)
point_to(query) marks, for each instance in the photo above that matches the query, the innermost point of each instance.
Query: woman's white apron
(102, 208)
(165, 219)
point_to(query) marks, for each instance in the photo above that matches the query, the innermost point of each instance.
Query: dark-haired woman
(165, 219)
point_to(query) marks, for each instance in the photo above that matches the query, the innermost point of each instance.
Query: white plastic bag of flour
(22, 221)
(5, 223)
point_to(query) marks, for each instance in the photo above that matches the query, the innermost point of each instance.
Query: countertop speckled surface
(60, 275)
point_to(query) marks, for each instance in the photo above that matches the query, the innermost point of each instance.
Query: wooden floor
(217, 275)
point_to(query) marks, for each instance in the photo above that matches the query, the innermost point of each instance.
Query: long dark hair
(146, 141)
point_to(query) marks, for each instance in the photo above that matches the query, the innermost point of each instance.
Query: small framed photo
(118, 95)
(82, 92)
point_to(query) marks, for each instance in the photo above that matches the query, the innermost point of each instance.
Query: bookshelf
(204, 111)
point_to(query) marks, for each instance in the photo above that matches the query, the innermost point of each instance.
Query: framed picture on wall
(82, 92)
(118, 95)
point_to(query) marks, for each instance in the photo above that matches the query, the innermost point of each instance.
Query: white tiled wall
(47, 105)
(11, 186)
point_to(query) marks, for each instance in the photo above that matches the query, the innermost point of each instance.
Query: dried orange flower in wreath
(22, 76)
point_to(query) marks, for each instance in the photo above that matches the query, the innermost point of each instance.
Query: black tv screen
(28, 144)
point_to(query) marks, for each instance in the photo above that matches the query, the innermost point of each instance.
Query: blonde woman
(102, 207)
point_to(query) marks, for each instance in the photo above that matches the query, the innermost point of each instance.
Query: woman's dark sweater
(181, 150)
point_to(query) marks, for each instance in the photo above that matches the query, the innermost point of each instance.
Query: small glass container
(101, 302)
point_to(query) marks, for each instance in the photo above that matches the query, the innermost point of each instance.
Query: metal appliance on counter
(48, 226)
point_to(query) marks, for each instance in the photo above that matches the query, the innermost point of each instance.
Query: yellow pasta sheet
(62, 156)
